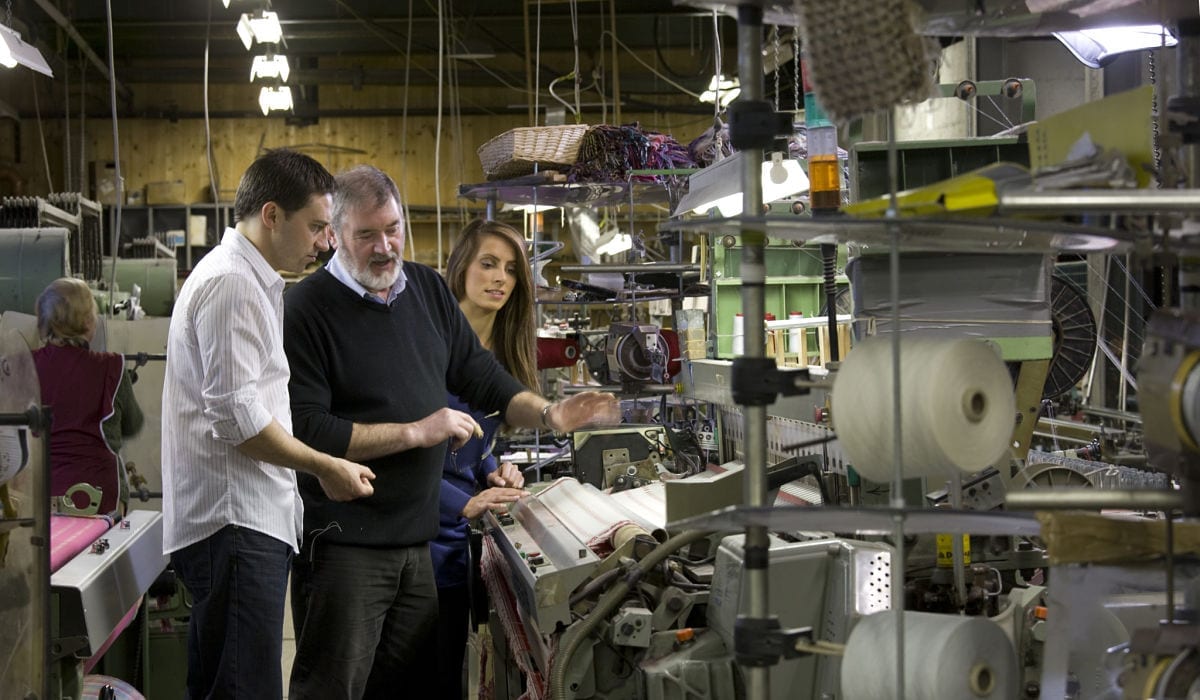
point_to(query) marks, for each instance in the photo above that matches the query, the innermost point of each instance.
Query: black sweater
(360, 361)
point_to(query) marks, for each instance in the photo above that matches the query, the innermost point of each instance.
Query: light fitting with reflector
(720, 184)
(270, 66)
(262, 27)
(14, 51)
(275, 99)
(721, 88)
(1095, 48)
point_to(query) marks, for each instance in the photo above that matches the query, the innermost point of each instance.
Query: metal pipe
(753, 273)
(632, 267)
(897, 490)
(1100, 202)
(1093, 499)
(49, 8)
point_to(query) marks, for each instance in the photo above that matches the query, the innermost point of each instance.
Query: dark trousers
(238, 580)
(365, 622)
(453, 608)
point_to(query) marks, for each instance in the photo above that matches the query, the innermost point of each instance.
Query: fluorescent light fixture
(270, 66)
(262, 27)
(1095, 48)
(619, 244)
(719, 185)
(15, 52)
(726, 89)
(471, 49)
(528, 208)
(275, 99)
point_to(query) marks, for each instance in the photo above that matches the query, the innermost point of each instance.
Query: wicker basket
(517, 151)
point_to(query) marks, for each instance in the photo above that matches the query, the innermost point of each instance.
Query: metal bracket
(758, 381)
(755, 124)
(759, 642)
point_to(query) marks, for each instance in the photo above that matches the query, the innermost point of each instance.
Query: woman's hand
(495, 499)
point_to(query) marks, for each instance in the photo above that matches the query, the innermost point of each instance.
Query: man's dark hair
(283, 176)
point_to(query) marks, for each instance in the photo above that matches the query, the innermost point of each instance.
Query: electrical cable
(575, 43)
(82, 122)
(573, 109)
(383, 36)
(667, 66)
(208, 146)
(716, 66)
(37, 111)
(66, 125)
(650, 68)
(116, 232)
(437, 138)
(537, 71)
(412, 246)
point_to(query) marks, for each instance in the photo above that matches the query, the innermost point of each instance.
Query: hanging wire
(437, 137)
(208, 143)
(537, 68)
(82, 122)
(116, 232)
(716, 64)
(67, 170)
(37, 111)
(575, 43)
(412, 249)
(598, 71)
(649, 67)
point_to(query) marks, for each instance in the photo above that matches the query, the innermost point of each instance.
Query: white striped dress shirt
(226, 378)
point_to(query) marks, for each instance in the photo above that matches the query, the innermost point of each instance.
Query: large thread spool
(946, 657)
(956, 402)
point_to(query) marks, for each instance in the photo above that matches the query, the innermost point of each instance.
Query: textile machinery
(71, 583)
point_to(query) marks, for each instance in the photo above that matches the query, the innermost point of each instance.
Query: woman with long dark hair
(489, 274)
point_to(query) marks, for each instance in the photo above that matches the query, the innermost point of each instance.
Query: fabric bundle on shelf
(608, 153)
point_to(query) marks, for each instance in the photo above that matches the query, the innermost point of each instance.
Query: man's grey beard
(369, 280)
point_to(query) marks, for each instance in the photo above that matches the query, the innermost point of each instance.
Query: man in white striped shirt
(232, 513)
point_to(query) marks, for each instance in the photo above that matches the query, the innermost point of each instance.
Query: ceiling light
(275, 99)
(528, 208)
(262, 27)
(270, 66)
(1095, 48)
(471, 49)
(719, 185)
(15, 52)
(720, 87)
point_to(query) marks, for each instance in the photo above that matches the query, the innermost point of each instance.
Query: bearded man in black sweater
(374, 344)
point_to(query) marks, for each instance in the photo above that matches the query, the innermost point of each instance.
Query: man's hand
(507, 475)
(495, 499)
(345, 481)
(442, 425)
(585, 408)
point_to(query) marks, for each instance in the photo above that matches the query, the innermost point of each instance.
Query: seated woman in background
(489, 275)
(89, 393)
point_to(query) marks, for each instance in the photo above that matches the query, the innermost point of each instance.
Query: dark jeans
(238, 580)
(365, 622)
(453, 613)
